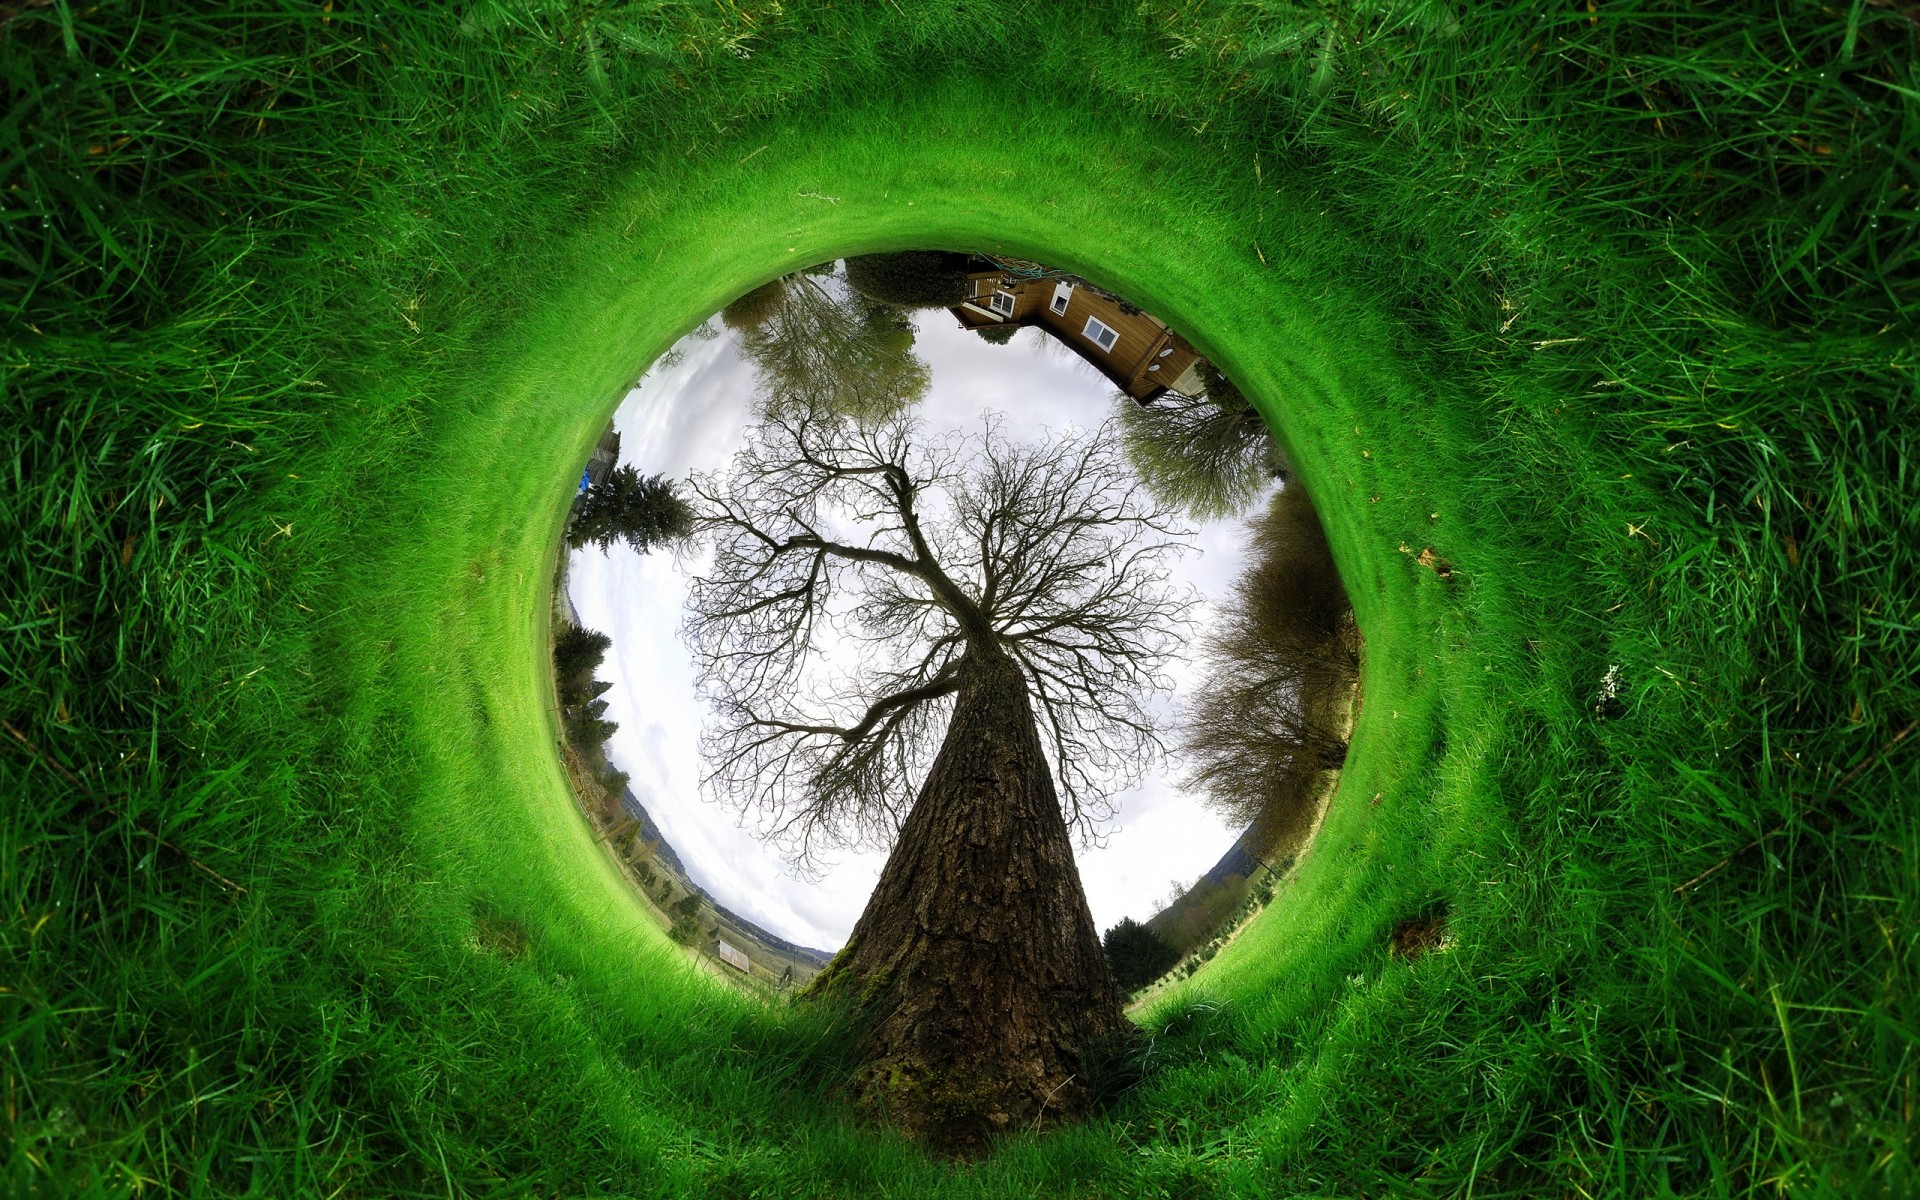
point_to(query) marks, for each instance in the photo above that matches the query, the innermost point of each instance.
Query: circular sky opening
(1180, 845)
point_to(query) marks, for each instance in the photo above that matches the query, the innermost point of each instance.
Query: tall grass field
(312, 312)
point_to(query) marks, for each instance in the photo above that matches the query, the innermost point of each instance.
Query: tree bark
(976, 967)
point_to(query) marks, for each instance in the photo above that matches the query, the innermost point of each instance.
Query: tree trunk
(976, 967)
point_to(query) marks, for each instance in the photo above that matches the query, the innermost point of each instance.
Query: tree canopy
(974, 625)
(1209, 455)
(1279, 666)
(853, 568)
(1136, 954)
(756, 307)
(576, 652)
(815, 344)
(910, 278)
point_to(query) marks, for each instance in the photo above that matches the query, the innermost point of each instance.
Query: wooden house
(605, 457)
(1132, 348)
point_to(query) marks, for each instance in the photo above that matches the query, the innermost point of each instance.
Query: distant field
(311, 315)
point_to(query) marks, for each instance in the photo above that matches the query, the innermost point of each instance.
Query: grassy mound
(312, 313)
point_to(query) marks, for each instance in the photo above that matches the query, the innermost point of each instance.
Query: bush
(910, 279)
(1136, 954)
(756, 307)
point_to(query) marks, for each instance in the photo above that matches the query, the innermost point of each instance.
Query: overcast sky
(690, 415)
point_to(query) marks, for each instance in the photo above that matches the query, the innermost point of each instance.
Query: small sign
(735, 958)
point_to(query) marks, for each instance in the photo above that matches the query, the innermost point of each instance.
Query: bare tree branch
(1280, 665)
(833, 537)
(818, 344)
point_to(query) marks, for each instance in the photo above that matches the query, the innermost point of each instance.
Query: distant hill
(664, 852)
(651, 831)
(1192, 919)
(1238, 860)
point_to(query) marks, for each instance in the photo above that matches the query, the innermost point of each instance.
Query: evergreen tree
(588, 734)
(576, 652)
(643, 511)
(1136, 954)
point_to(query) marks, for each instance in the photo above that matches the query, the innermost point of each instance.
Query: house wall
(1136, 351)
(1139, 334)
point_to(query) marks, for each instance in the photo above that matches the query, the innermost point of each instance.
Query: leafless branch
(833, 537)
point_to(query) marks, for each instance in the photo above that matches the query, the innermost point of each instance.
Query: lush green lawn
(312, 316)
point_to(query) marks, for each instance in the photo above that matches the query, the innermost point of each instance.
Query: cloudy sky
(689, 415)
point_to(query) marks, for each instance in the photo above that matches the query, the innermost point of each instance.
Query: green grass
(311, 316)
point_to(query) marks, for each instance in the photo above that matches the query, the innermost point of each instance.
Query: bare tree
(821, 345)
(997, 606)
(1210, 455)
(1280, 666)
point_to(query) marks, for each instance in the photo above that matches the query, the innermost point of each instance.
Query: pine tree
(1136, 954)
(643, 511)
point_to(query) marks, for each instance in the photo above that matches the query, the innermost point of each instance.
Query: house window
(1099, 334)
(1002, 303)
(1062, 294)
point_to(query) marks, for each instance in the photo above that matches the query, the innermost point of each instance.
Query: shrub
(1136, 954)
(910, 279)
